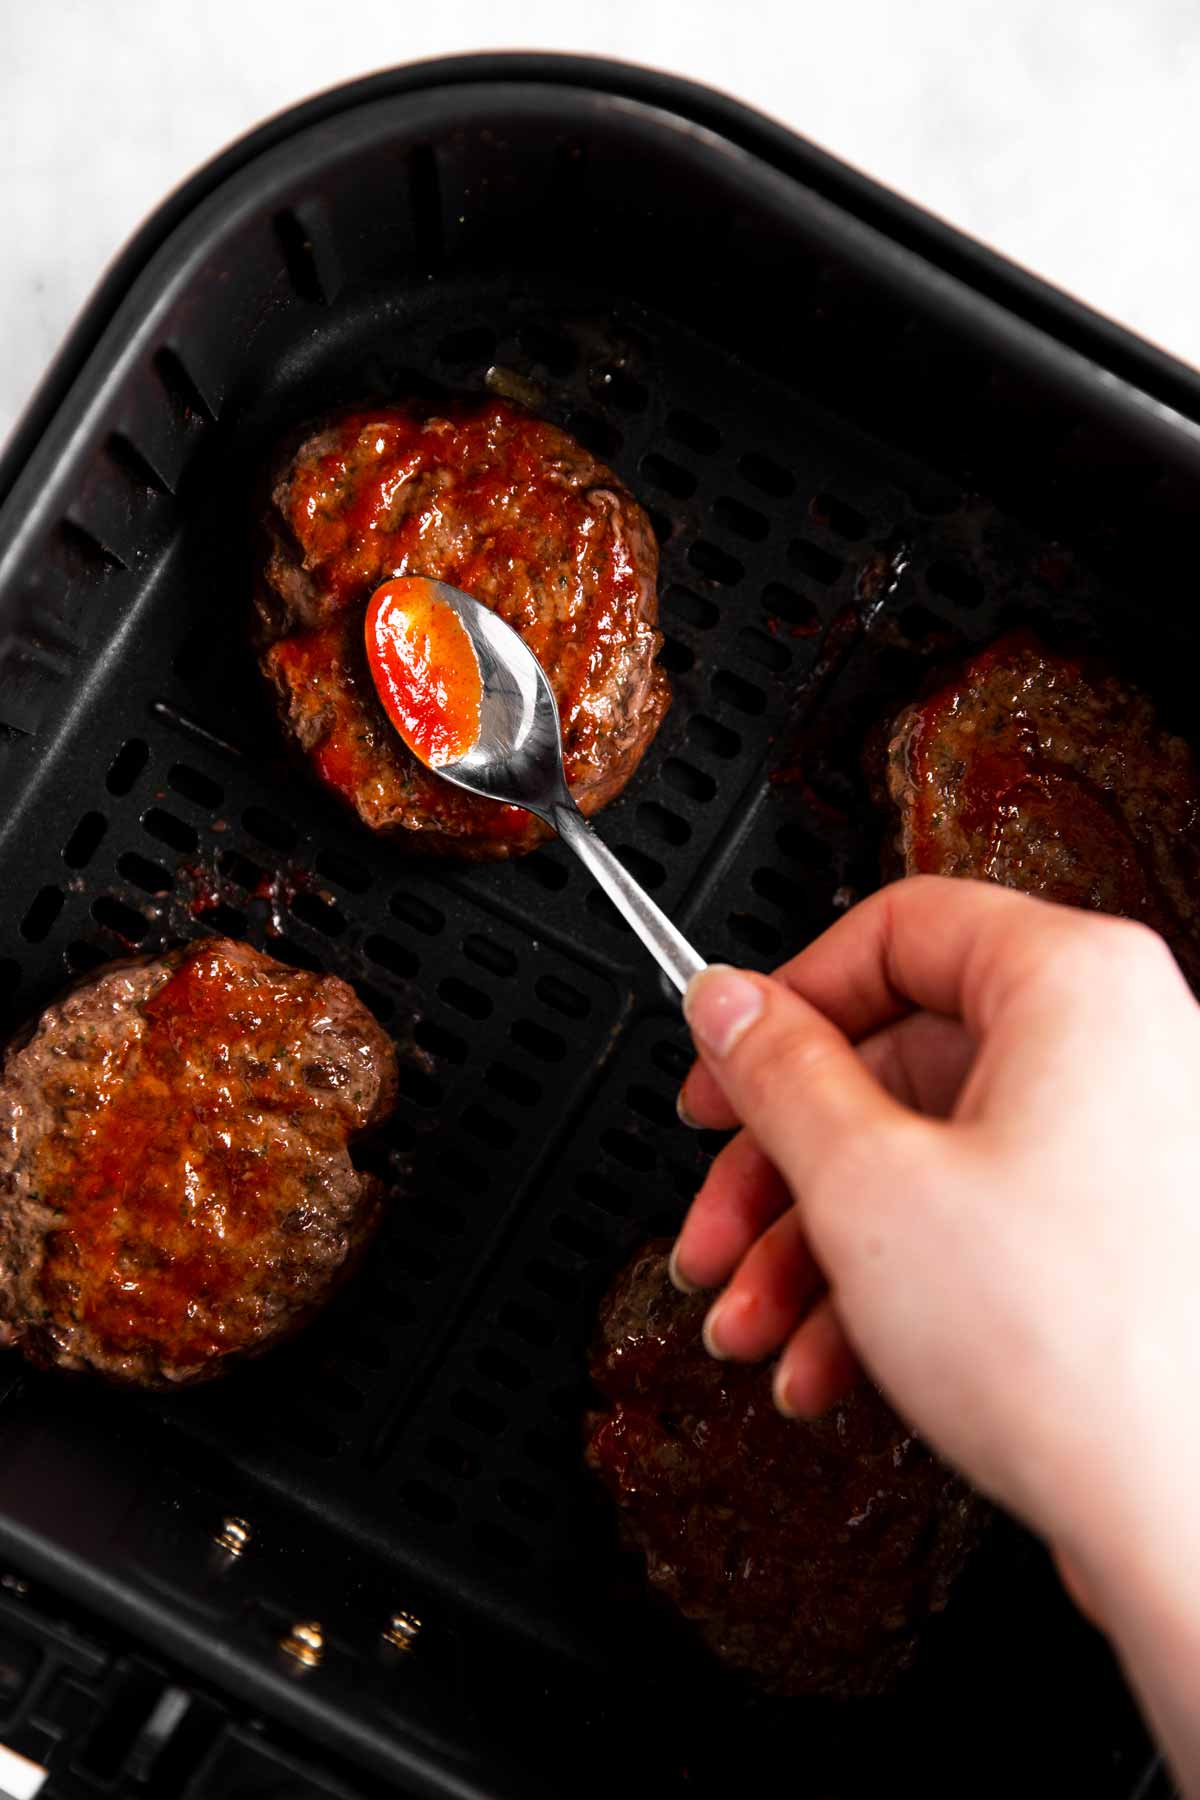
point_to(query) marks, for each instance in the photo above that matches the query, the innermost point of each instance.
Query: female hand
(970, 1159)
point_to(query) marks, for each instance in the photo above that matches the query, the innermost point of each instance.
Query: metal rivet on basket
(402, 1630)
(13, 1584)
(234, 1536)
(304, 1642)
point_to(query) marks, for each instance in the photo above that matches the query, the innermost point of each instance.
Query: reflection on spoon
(472, 702)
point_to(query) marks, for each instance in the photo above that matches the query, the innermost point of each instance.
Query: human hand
(968, 1158)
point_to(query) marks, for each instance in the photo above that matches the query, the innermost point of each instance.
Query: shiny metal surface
(235, 1535)
(517, 758)
(304, 1643)
(402, 1631)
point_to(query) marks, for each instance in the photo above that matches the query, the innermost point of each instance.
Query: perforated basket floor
(813, 566)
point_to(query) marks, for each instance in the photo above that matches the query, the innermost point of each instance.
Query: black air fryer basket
(865, 444)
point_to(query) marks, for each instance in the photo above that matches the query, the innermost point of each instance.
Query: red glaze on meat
(175, 1182)
(425, 670)
(516, 513)
(1038, 771)
(808, 1555)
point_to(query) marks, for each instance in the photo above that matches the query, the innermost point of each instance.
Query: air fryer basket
(857, 461)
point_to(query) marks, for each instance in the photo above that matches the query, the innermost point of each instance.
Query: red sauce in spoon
(424, 665)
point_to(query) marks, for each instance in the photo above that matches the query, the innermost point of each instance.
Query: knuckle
(922, 884)
(877, 1148)
(1137, 955)
(870, 1173)
(1073, 944)
(1140, 943)
(792, 1062)
(842, 1191)
(848, 1166)
(1097, 942)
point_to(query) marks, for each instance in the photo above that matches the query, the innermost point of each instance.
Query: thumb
(788, 1073)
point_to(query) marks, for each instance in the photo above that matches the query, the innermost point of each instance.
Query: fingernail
(712, 1321)
(721, 1005)
(779, 1394)
(677, 1280)
(681, 1107)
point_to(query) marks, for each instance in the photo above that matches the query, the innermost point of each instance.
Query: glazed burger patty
(176, 1188)
(519, 515)
(807, 1555)
(1039, 771)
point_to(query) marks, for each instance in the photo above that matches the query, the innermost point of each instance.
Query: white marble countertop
(1067, 135)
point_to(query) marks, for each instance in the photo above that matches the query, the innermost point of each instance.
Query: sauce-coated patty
(176, 1187)
(807, 1555)
(519, 515)
(1052, 775)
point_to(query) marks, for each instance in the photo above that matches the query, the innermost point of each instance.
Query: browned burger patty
(519, 515)
(808, 1555)
(1035, 770)
(176, 1188)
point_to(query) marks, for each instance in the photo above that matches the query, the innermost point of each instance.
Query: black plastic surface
(100, 1716)
(812, 411)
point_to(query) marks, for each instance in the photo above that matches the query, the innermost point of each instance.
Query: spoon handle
(675, 956)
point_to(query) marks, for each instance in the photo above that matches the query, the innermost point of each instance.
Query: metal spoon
(517, 758)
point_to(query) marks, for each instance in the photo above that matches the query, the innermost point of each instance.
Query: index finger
(955, 948)
(930, 942)
(936, 942)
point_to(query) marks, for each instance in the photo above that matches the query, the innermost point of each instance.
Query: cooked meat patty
(1035, 770)
(519, 515)
(806, 1555)
(176, 1188)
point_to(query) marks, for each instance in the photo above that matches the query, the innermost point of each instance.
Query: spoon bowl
(517, 758)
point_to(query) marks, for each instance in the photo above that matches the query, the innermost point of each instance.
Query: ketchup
(425, 669)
